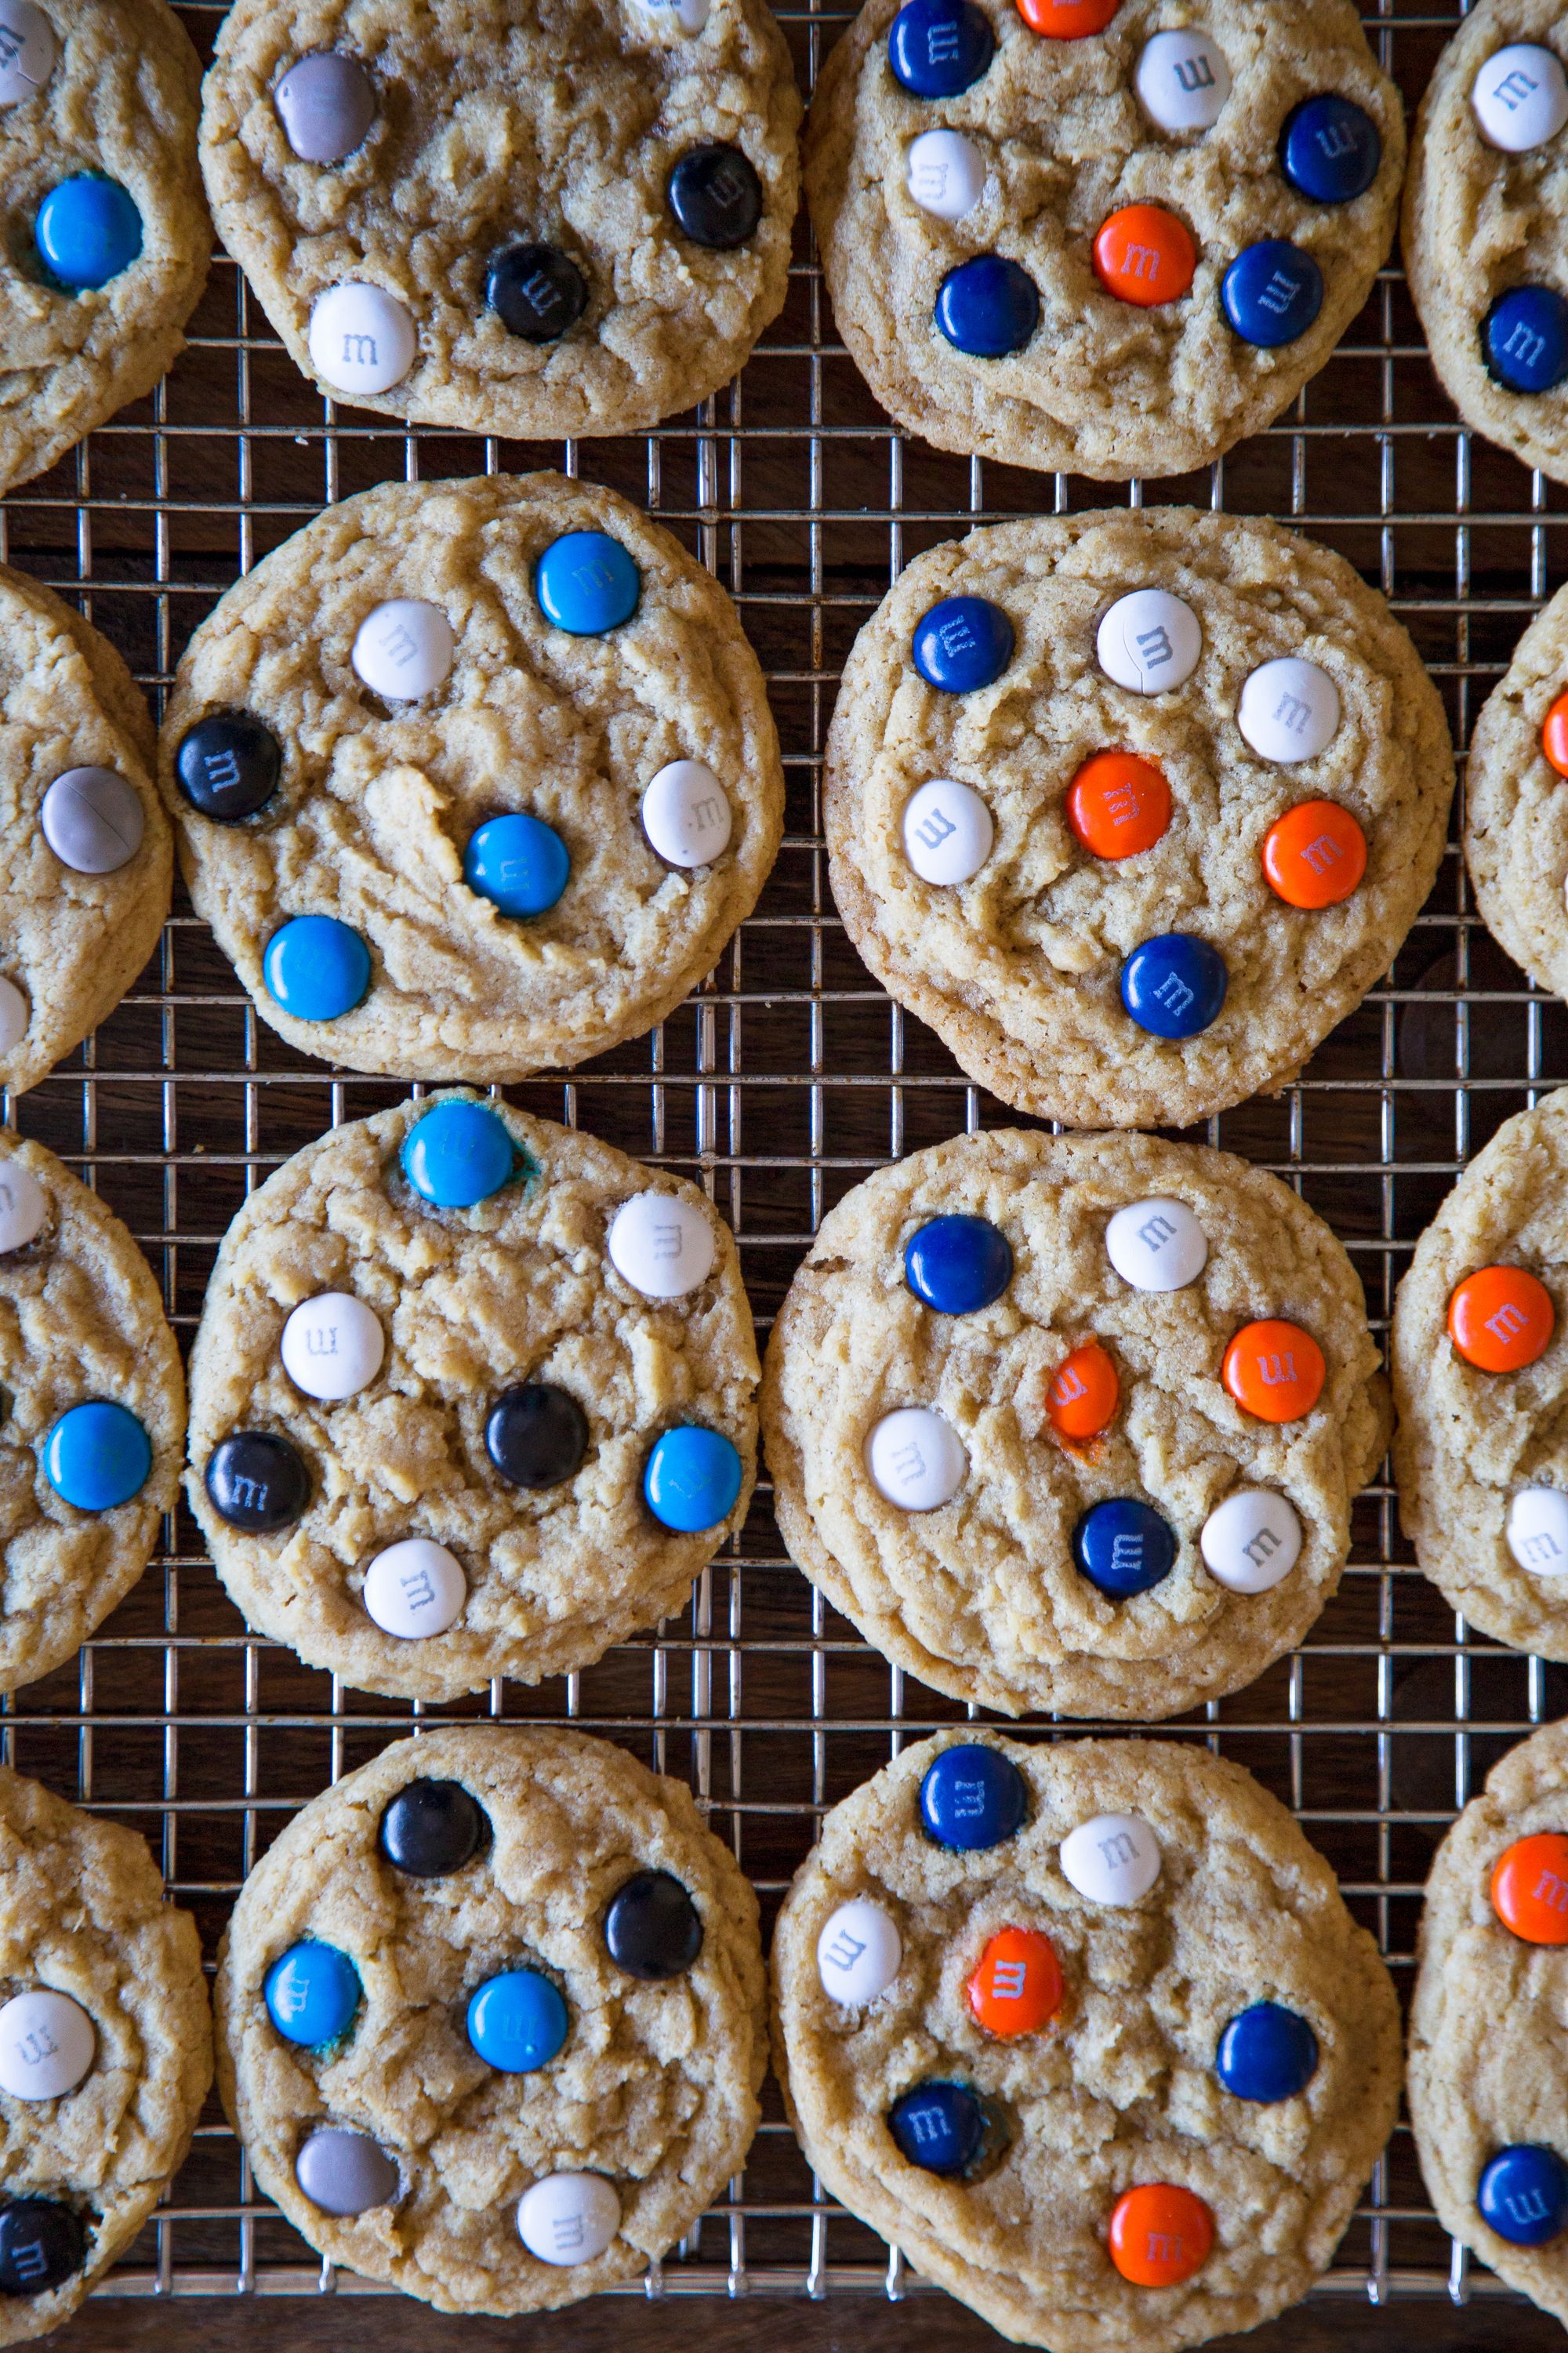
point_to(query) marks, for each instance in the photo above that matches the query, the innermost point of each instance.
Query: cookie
(1132, 807)
(472, 778)
(472, 1395)
(1087, 2032)
(1073, 1422)
(1487, 2096)
(1480, 1374)
(91, 1436)
(107, 237)
(518, 220)
(105, 2050)
(1483, 226)
(86, 861)
(492, 2017)
(1516, 802)
(1069, 235)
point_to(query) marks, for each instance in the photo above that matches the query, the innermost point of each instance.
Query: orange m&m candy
(1314, 854)
(1144, 255)
(1500, 1318)
(1019, 1984)
(1159, 2234)
(1554, 735)
(1081, 1398)
(1117, 804)
(1068, 20)
(1274, 1370)
(1529, 1888)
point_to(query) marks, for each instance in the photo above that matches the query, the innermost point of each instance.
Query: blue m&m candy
(971, 1797)
(1125, 1546)
(1524, 2194)
(460, 1152)
(963, 644)
(692, 1478)
(937, 48)
(1524, 338)
(316, 968)
(988, 307)
(1329, 150)
(958, 1264)
(938, 2127)
(97, 1456)
(519, 863)
(1267, 2053)
(517, 2021)
(1273, 292)
(1174, 985)
(88, 230)
(586, 582)
(312, 1994)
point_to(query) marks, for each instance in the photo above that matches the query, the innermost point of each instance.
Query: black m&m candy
(432, 1829)
(228, 765)
(258, 1482)
(41, 2245)
(715, 196)
(536, 291)
(536, 1436)
(652, 1929)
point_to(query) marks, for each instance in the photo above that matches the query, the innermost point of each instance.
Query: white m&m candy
(48, 2042)
(1181, 81)
(687, 16)
(1538, 1531)
(415, 1588)
(1114, 1859)
(1156, 1245)
(916, 1458)
(28, 50)
(332, 1345)
(1289, 710)
(569, 2218)
(1149, 641)
(404, 649)
(92, 820)
(1520, 98)
(944, 172)
(661, 1245)
(948, 832)
(686, 814)
(362, 338)
(858, 1953)
(1252, 1541)
(23, 1205)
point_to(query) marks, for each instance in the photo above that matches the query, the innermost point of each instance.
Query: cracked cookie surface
(1516, 805)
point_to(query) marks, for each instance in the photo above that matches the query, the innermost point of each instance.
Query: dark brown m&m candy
(432, 1829)
(652, 1929)
(257, 1482)
(41, 2245)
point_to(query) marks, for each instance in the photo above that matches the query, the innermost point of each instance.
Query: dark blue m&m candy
(958, 1264)
(1524, 338)
(1524, 2194)
(312, 1993)
(1125, 1546)
(458, 1154)
(42, 2244)
(971, 1797)
(257, 1482)
(586, 582)
(1267, 2053)
(228, 765)
(1174, 985)
(938, 2127)
(1329, 150)
(98, 1455)
(1273, 292)
(937, 48)
(963, 644)
(988, 307)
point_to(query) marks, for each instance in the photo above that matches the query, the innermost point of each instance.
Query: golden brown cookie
(1516, 802)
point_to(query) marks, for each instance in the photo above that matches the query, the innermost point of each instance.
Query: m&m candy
(1523, 2194)
(988, 306)
(1272, 293)
(47, 2044)
(941, 2127)
(715, 196)
(916, 1458)
(1182, 80)
(949, 833)
(1524, 338)
(519, 863)
(345, 2172)
(431, 1828)
(1289, 710)
(1159, 2234)
(858, 1953)
(1554, 735)
(1081, 1398)
(1267, 2054)
(1500, 1318)
(1149, 641)
(588, 583)
(692, 1478)
(569, 2218)
(1156, 1245)
(1315, 855)
(458, 1153)
(971, 1797)
(958, 1264)
(1111, 1859)
(938, 48)
(1145, 256)
(1174, 985)
(312, 1993)
(963, 644)
(42, 2244)
(517, 2021)
(653, 1930)
(945, 173)
(87, 231)
(1537, 1530)
(316, 967)
(1329, 150)
(1017, 1987)
(1118, 804)
(1125, 1546)
(97, 1456)
(1068, 20)
(326, 103)
(258, 1482)
(1529, 1888)
(1252, 1541)
(1520, 97)
(1274, 1370)
(228, 765)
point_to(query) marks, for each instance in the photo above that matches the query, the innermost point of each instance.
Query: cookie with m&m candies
(1132, 807)
(1070, 234)
(1481, 1378)
(1074, 1422)
(1516, 802)
(1085, 2029)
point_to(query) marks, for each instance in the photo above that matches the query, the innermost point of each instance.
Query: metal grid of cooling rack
(787, 1077)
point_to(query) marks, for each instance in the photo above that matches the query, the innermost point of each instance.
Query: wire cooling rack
(785, 1080)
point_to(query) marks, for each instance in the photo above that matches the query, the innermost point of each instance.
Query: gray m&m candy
(92, 820)
(29, 50)
(345, 2172)
(326, 104)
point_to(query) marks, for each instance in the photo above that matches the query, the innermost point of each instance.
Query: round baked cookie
(85, 860)
(1087, 2032)
(1480, 1377)
(522, 220)
(1132, 807)
(94, 1418)
(106, 238)
(1073, 1422)
(106, 2050)
(492, 2017)
(1067, 235)
(1487, 2096)
(1483, 226)
(1516, 802)
(472, 778)
(472, 1395)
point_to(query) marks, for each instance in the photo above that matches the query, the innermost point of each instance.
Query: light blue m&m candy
(98, 1455)
(971, 1797)
(1125, 1546)
(312, 1994)
(988, 306)
(1267, 2053)
(519, 863)
(88, 230)
(586, 582)
(1524, 338)
(460, 1152)
(517, 2021)
(1524, 2194)
(963, 644)
(1273, 292)
(692, 1478)
(316, 967)
(1174, 985)
(958, 1264)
